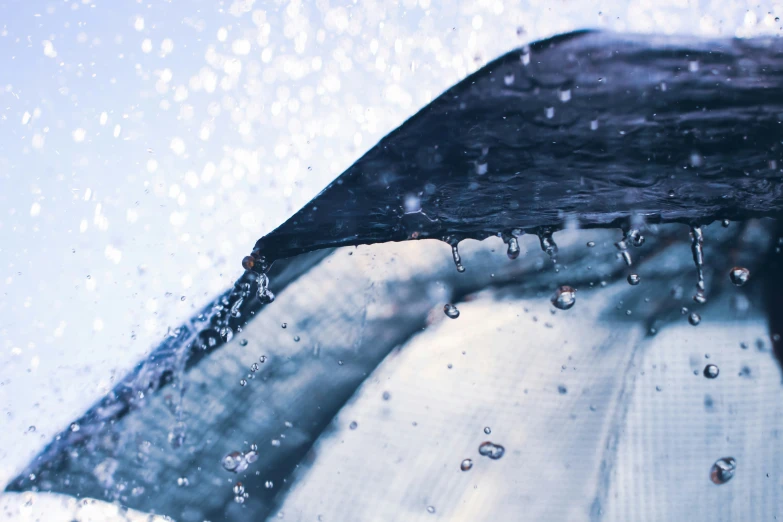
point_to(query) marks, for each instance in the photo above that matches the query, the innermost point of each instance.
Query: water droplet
(254, 367)
(564, 95)
(548, 244)
(508, 79)
(269, 484)
(386, 396)
(694, 318)
(31, 429)
(693, 65)
(550, 112)
(699, 297)
(593, 125)
(284, 325)
(634, 279)
(525, 56)
(226, 333)
(711, 371)
(431, 509)
(243, 342)
(239, 488)
(466, 465)
(590, 244)
(451, 311)
(513, 248)
(493, 451)
(74, 427)
(275, 442)
(248, 262)
(297, 338)
(723, 470)
(262, 359)
(725, 223)
(697, 239)
(739, 275)
(564, 297)
(353, 425)
(622, 247)
(182, 482)
(455, 255)
(242, 382)
(561, 389)
(233, 462)
(487, 430)
(239, 499)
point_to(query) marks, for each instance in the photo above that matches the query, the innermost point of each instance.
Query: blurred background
(145, 146)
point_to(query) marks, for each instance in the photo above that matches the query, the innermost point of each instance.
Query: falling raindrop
(493, 451)
(550, 112)
(451, 311)
(634, 279)
(739, 275)
(694, 318)
(564, 95)
(699, 297)
(564, 297)
(711, 371)
(723, 470)
(466, 465)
